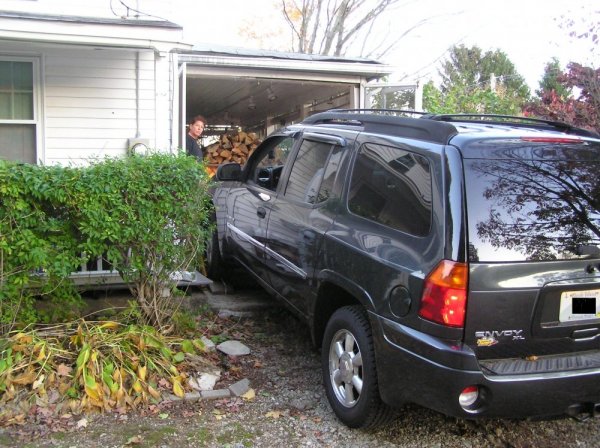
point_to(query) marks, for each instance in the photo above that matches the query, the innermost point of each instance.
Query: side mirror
(229, 171)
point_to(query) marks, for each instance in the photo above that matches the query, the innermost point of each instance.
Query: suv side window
(392, 186)
(307, 172)
(267, 170)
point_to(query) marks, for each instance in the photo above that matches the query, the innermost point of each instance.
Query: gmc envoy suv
(446, 260)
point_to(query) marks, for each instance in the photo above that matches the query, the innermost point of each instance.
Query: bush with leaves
(150, 216)
(37, 235)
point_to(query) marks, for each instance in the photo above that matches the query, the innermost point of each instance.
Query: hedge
(148, 215)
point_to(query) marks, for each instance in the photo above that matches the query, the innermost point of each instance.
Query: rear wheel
(349, 372)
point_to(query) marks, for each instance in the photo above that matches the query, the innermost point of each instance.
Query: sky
(528, 31)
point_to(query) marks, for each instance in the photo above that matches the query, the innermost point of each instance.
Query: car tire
(215, 267)
(349, 371)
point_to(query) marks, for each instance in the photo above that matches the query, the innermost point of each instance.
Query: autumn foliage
(581, 108)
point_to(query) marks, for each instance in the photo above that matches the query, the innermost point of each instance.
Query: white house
(85, 84)
(89, 79)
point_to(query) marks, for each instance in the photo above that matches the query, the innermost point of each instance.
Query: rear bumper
(416, 368)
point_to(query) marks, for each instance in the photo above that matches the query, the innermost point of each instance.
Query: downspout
(181, 75)
(137, 94)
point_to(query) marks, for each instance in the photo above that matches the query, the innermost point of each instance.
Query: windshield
(534, 202)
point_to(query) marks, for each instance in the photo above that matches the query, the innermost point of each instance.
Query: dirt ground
(289, 409)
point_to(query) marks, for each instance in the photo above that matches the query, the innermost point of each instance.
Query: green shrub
(148, 214)
(37, 235)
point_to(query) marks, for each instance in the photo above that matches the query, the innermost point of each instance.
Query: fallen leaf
(37, 383)
(142, 371)
(155, 394)
(82, 423)
(135, 440)
(273, 414)
(177, 389)
(25, 378)
(250, 395)
(163, 416)
(64, 370)
(111, 325)
(257, 364)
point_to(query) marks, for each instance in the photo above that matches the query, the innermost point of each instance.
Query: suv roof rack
(388, 121)
(516, 121)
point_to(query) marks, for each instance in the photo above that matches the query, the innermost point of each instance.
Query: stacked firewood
(234, 147)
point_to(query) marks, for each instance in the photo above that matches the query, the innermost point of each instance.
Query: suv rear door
(533, 211)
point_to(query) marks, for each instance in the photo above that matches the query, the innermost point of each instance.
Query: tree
(579, 109)
(550, 81)
(476, 82)
(472, 69)
(330, 27)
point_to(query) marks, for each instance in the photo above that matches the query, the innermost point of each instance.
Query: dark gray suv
(451, 261)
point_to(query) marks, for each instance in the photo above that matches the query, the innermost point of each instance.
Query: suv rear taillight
(444, 298)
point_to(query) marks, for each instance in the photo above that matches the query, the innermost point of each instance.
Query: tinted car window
(330, 172)
(537, 202)
(268, 168)
(392, 186)
(307, 172)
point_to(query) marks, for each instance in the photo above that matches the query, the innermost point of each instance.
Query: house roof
(210, 55)
(89, 20)
(208, 48)
(159, 35)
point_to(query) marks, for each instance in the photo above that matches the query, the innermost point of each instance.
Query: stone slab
(215, 394)
(233, 348)
(240, 388)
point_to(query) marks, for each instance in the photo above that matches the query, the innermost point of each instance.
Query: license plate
(579, 305)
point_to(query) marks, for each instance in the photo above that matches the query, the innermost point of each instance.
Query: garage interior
(260, 104)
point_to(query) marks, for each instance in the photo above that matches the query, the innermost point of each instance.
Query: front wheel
(215, 267)
(349, 372)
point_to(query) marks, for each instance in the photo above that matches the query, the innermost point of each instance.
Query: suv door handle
(261, 212)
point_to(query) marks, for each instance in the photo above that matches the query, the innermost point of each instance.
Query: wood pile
(235, 147)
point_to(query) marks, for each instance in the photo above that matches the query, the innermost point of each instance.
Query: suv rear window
(392, 186)
(534, 202)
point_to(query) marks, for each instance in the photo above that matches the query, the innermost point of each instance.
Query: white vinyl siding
(91, 101)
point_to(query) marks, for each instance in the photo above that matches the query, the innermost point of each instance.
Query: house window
(18, 109)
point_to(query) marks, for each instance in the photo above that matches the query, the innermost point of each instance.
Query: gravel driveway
(290, 409)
